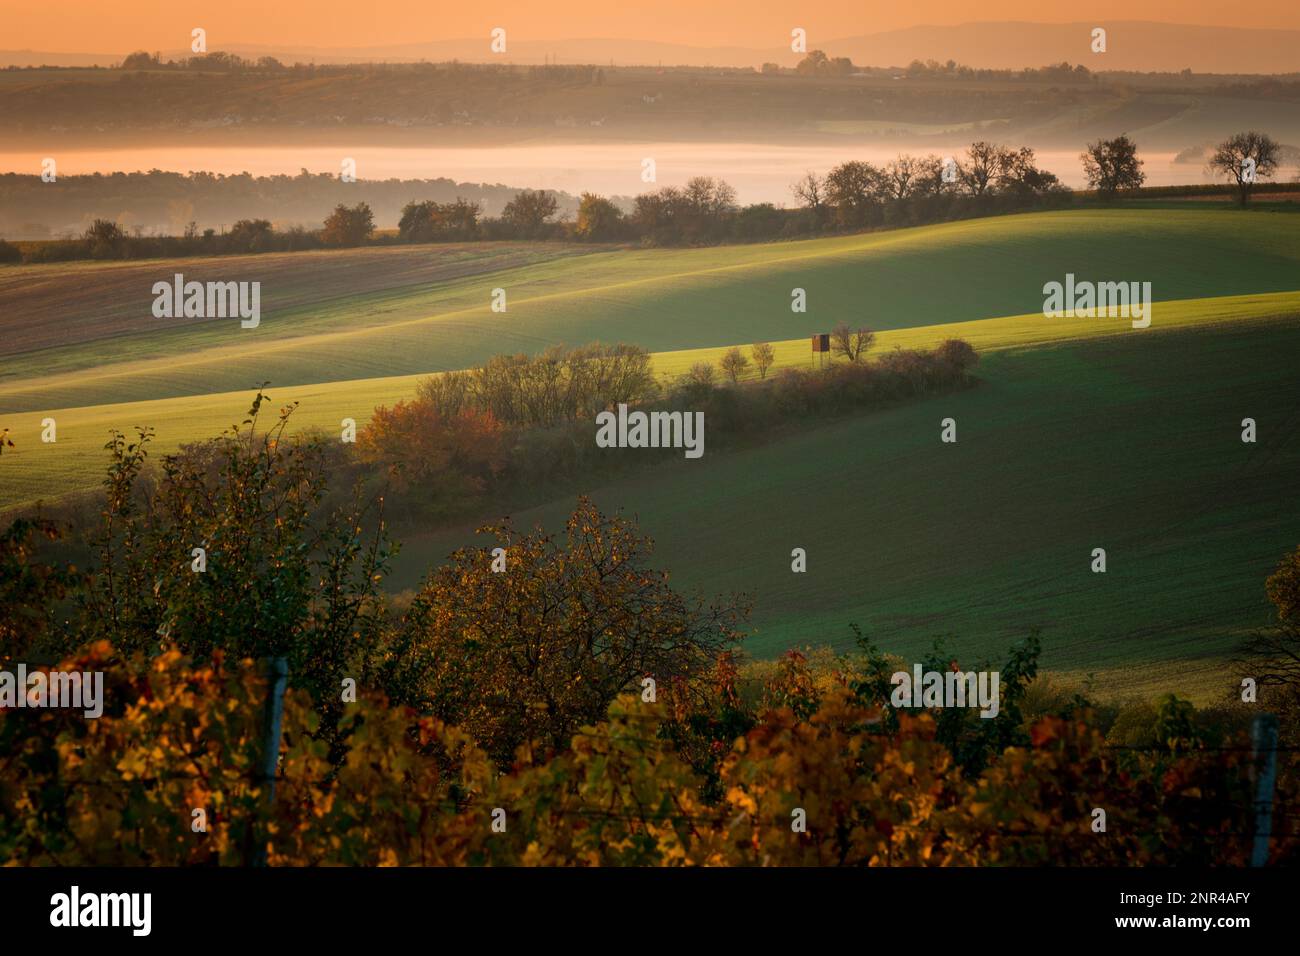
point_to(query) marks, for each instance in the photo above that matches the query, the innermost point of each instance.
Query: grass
(663, 299)
(1130, 444)
(35, 471)
(1084, 432)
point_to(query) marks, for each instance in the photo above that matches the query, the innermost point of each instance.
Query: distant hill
(1131, 45)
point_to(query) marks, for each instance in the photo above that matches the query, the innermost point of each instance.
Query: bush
(442, 462)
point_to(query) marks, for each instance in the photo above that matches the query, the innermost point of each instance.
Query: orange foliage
(453, 457)
(120, 790)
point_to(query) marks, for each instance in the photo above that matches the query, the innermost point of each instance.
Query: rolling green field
(661, 299)
(34, 471)
(1083, 433)
(1125, 443)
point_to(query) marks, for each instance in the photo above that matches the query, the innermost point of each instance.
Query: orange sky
(111, 26)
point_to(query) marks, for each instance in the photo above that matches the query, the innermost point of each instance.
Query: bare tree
(810, 190)
(902, 177)
(985, 164)
(1019, 173)
(851, 343)
(734, 363)
(698, 378)
(1244, 158)
(764, 356)
(710, 196)
(928, 180)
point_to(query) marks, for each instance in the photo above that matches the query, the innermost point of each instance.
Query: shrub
(445, 461)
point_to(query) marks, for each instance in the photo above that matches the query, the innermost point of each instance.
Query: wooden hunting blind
(821, 342)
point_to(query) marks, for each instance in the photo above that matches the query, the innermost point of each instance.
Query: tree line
(988, 178)
(818, 64)
(518, 428)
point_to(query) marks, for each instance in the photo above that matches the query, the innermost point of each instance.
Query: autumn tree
(707, 196)
(813, 63)
(927, 179)
(697, 381)
(448, 459)
(959, 355)
(698, 211)
(31, 589)
(1244, 158)
(1112, 165)
(851, 343)
(1272, 655)
(733, 363)
(432, 221)
(251, 235)
(105, 238)
(528, 211)
(598, 218)
(764, 356)
(818, 63)
(348, 225)
(531, 641)
(1283, 588)
(558, 385)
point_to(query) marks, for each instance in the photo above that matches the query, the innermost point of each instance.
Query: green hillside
(1129, 443)
(662, 299)
(34, 471)
(1082, 433)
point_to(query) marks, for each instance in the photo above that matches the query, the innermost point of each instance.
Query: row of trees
(817, 63)
(557, 386)
(106, 239)
(986, 169)
(852, 195)
(704, 210)
(848, 343)
(518, 427)
(989, 177)
(849, 193)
